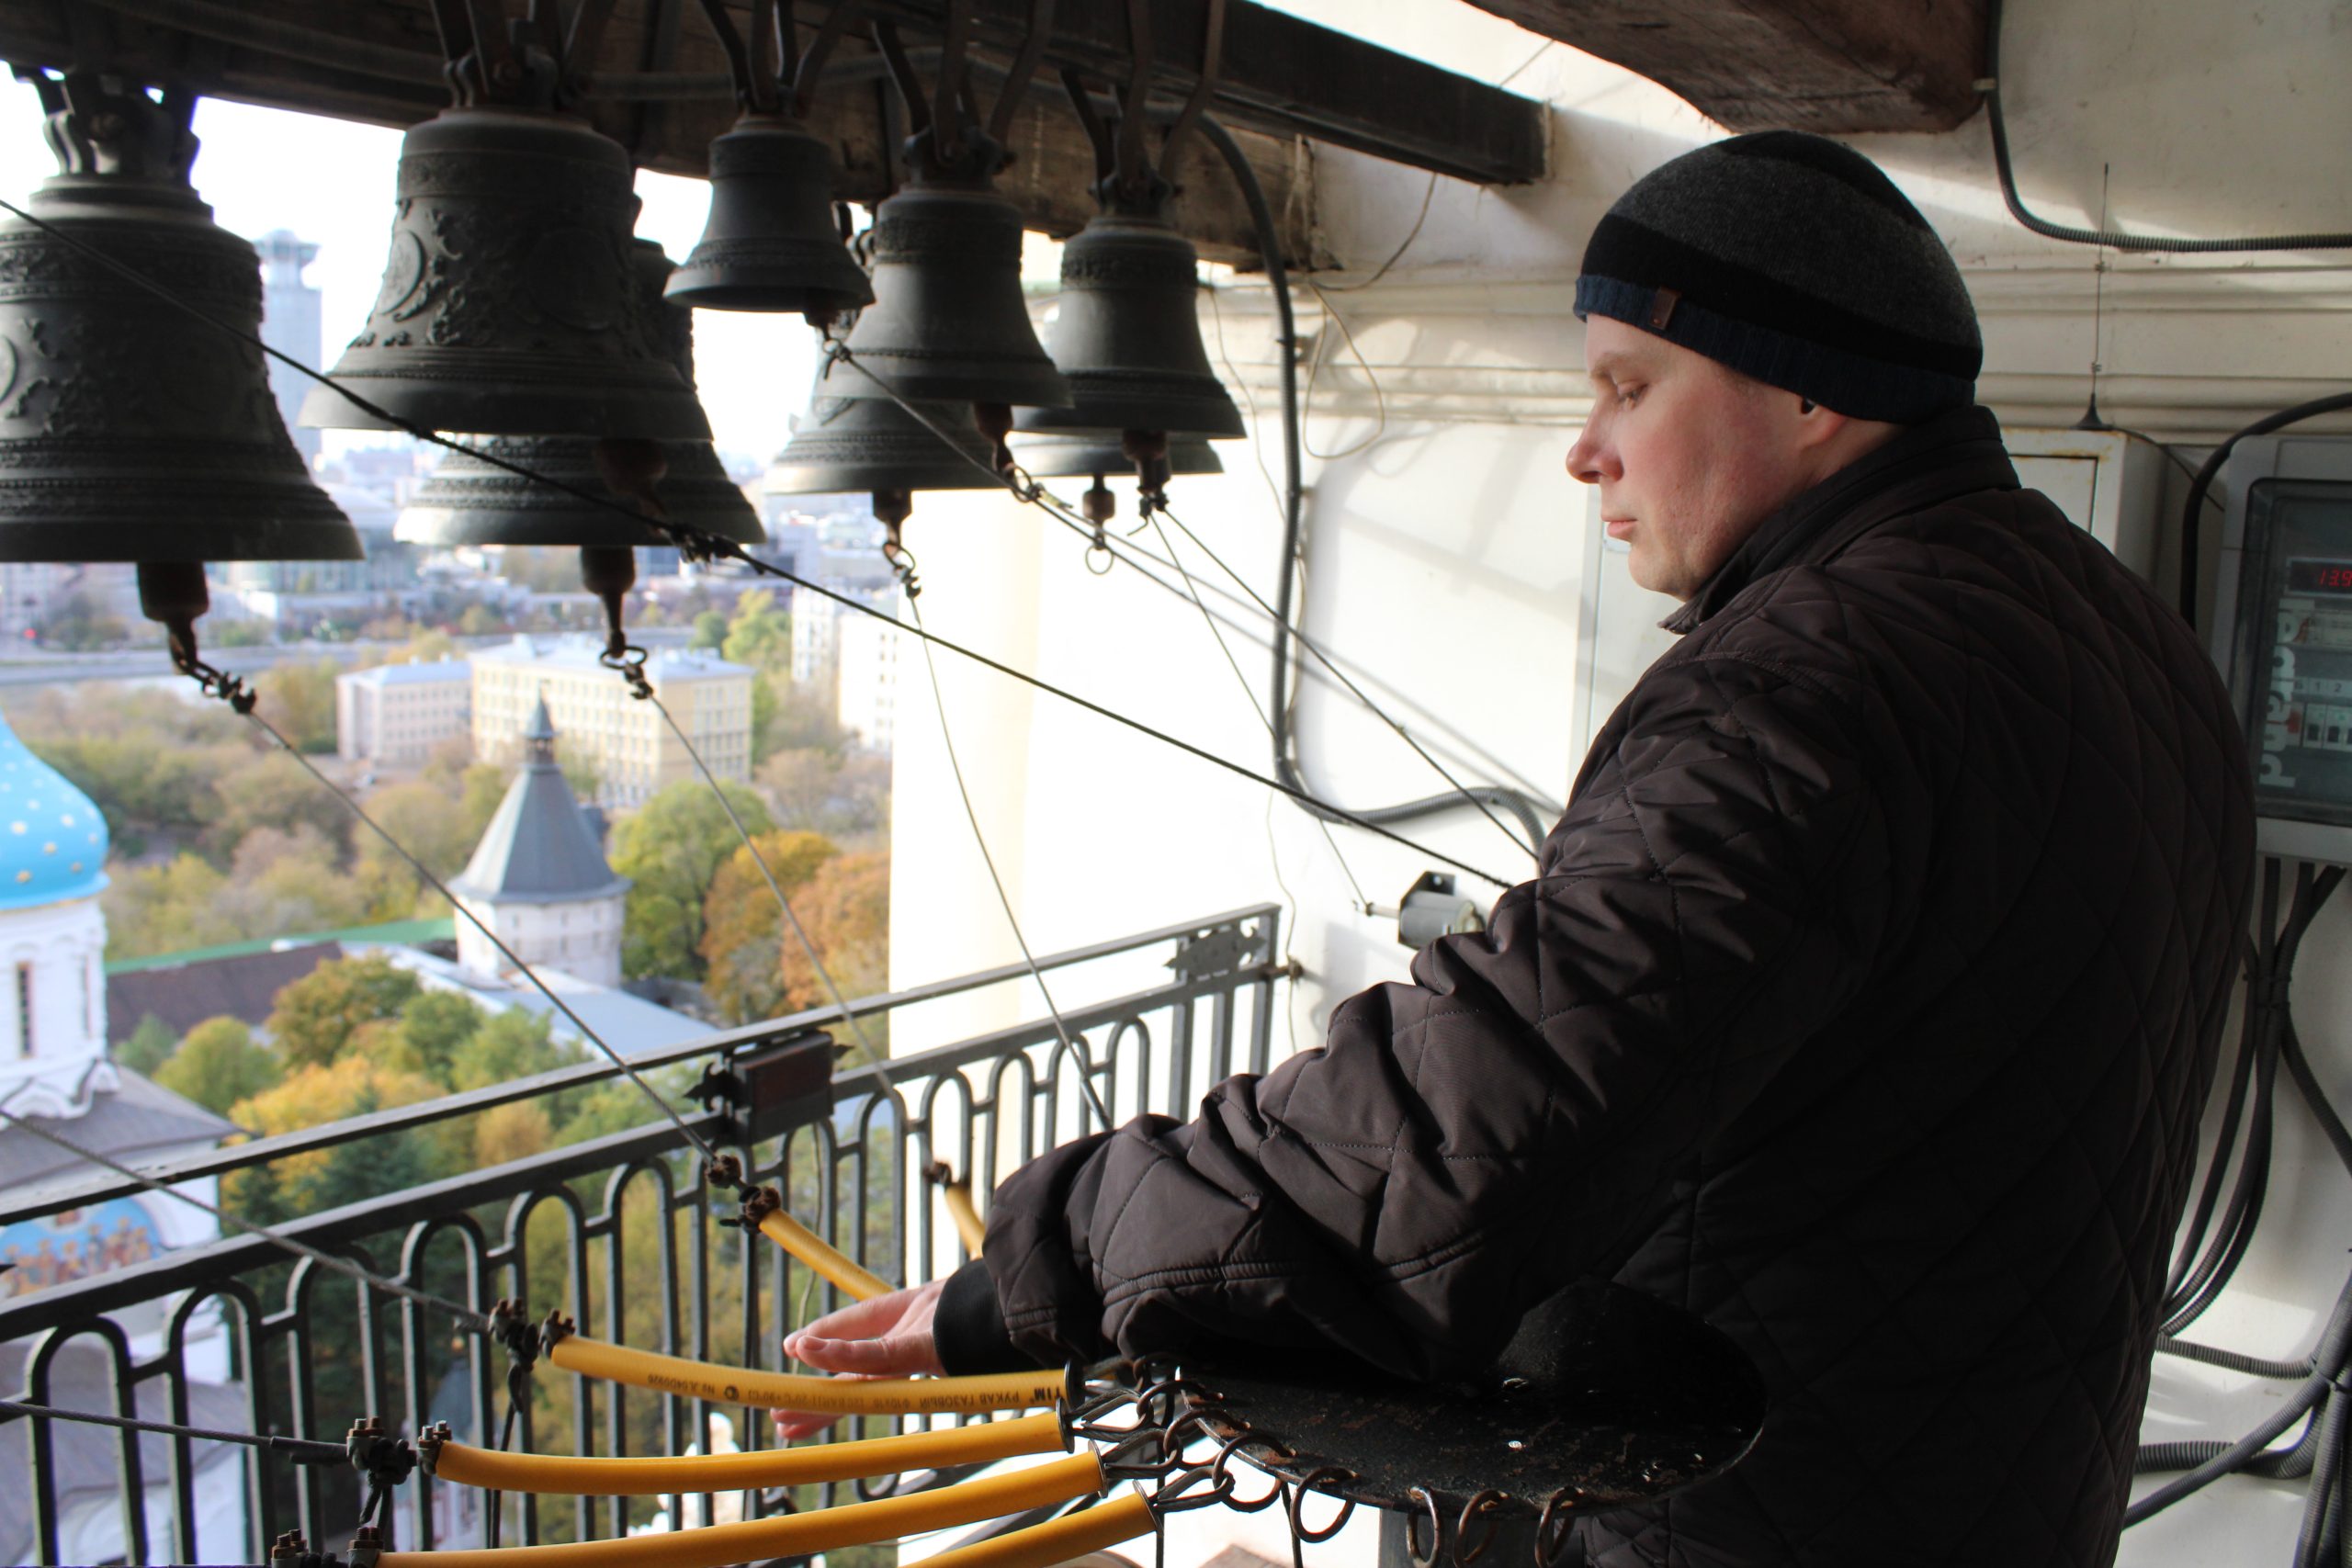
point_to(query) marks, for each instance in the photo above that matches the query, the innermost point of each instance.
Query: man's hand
(888, 1336)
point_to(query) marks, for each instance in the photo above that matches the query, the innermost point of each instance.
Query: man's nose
(1585, 456)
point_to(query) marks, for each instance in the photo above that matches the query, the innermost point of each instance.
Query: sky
(330, 180)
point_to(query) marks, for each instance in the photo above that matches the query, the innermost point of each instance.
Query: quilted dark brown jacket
(1863, 1006)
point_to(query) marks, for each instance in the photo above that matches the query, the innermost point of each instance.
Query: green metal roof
(404, 932)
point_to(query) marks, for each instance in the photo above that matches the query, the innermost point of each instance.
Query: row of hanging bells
(518, 307)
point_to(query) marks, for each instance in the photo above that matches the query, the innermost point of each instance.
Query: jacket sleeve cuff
(968, 1326)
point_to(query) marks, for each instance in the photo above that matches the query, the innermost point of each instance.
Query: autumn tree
(315, 1015)
(218, 1065)
(741, 924)
(843, 797)
(298, 698)
(711, 630)
(670, 849)
(435, 1026)
(311, 1095)
(845, 908)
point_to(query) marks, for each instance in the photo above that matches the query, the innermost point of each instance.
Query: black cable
(302, 1450)
(1286, 769)
(2192, 517)
(1996, 122)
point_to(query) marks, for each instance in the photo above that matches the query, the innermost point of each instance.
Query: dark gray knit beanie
(1794, 260)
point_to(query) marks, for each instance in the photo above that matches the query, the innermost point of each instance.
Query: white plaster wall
(581, 938)
(1444, 549)
(63, 942)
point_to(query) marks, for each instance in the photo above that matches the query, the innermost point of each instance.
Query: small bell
(845, 444)
(1129, 336)
(948, 323)
(1141, 455)
(770, 243)
(508, 307)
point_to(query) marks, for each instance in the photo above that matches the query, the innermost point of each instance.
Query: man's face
(1689, 456)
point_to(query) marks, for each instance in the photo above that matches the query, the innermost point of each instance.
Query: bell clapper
(174, 595)
(891, 509)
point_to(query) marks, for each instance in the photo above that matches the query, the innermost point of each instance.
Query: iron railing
(618, 1231)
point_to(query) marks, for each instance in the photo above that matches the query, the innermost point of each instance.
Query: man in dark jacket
(1866, 997)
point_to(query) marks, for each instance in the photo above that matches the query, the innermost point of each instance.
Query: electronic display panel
(2295, 639)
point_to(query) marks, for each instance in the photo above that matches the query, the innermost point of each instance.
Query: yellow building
(633, 751)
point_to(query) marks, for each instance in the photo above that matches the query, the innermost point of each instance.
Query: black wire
(302, 1450)
(1286, 769)
(2192, 517)
(1998, 124)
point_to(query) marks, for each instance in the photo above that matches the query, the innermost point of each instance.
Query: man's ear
(1817, 426)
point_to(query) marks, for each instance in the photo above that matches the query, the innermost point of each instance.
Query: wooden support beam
(658, 86)
(1828, 65)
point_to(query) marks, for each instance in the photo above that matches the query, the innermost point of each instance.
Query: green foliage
(261, 790)
(300, 700)
(316, 1016)
(280, 882)
(435, 1026)
(219, 1064)
(481, 620)
(760, 633)
(711, 630)
(765, 705)
(149, 1047)
(805, 721)
(238, 634)
(509, 1046)
(671, 849)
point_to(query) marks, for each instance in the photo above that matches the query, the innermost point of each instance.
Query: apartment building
(633, 751)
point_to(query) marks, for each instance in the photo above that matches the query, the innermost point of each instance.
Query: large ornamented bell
(508, 305)
(948, 323)
(130, 430)
(769, 244)
(849, 444)
(1128, 336)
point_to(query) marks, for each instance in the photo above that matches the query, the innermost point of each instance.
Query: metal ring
(1222, 1466)
(1557, 1517)
(1437, 1528)
(1173, 1440)
(1298, 1498)
(1109, 560)
(1482, 1507)
(1170, 1499)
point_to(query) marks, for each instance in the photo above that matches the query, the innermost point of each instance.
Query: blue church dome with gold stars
(52, 841)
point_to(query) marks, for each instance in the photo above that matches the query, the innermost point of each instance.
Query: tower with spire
(539, 879)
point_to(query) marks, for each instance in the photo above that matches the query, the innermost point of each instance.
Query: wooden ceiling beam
(1834, 66)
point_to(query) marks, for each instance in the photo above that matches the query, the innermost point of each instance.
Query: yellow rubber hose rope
(826, 1529)
(1055, 1540)
(822, 1255)
(968, 1219)
(788, 1390)
(561, 1473)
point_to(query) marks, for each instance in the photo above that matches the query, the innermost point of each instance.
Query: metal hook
(1482, 1507)
(1427, 1501)
(1221, 1466)
(1555, 1520)
(1299, 1529)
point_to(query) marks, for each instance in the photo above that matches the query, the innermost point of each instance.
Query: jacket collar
(1952, 453)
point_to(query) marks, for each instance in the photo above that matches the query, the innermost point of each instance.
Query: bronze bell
(508, 306)
(770, 243)
(470, 502)
(845, 444)
(1129, 336)
(130, 430)
(948, 323)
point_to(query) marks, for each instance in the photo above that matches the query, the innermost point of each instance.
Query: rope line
(840, 1001)
(302, 1451)
(1075, 1046)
